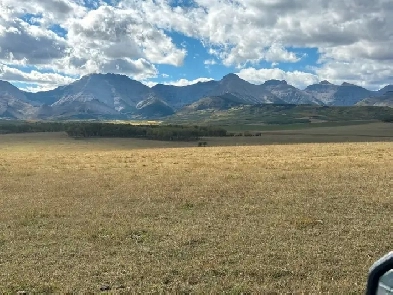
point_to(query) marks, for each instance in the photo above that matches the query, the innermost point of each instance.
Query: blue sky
(181, 42)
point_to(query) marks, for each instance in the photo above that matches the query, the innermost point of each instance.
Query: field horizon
(146, 216)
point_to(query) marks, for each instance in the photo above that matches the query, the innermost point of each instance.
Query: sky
(48, 43)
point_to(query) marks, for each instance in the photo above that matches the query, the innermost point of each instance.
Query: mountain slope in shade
(153, 107)
(385, 89)
(349, 94)
(13, 103)
(343, 95)
(8, 90)
(177, 97)
(46, 97)
(290, 94)
(385, 100)
(249, 93)
(220, 102)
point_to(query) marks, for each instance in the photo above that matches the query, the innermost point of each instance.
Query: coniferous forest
(96, 129)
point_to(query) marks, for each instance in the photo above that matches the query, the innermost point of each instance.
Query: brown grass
(77, 215)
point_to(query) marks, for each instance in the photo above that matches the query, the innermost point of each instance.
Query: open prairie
(78, 215)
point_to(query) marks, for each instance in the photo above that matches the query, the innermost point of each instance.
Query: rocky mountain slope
(338, 95)
(117, 96)
(385, 100)
(385, 89)
(178, 97)
(220, 102)
(290, 94)
(249, 93)
(14, 103)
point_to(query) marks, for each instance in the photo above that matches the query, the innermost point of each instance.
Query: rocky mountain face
(95, 96)
(385, 100)
(385, 89)
(220, 102)
(178, 97)
(290, 94)
(117, 96)
(249, 93)
(14, 104)
(324, 92)
(153, 107)
(344, 95)
(349, 94)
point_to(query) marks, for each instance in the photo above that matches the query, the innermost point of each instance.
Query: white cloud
(102, 39)
(248, 31)
(185, 82)
(295, 78)
(48, 79)
(210, 62)
(149, 83)
(277, 53)
(366, 73)
(121, 33)
(181, 82)
(353, 38)
(22, 43)
(36, 88)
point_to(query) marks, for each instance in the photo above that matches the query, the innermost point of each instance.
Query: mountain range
(104, 96)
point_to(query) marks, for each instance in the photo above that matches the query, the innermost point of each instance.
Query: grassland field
(291, 211)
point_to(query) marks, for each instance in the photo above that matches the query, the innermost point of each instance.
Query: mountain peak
(231, 76)
(346, 84)
(106, 75)
(274, 82)
(325, 82)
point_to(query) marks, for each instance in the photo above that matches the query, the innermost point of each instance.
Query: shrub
(387, 119)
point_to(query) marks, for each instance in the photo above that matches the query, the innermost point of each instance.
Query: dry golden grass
(77, 215)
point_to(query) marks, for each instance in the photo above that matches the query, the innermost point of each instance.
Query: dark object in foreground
(105, 288)
(380, 277)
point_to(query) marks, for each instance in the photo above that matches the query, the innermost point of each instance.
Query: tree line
(99, 129)
(157, 132)
(26, 127)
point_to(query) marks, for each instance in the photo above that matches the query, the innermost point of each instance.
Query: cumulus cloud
(295, 78)
(102, 38)
(369, 74)
(34, 88)
(123, 34)
(353, 38)
(277, 53)
(122, 40)
(185, 82)
(180, 82)
(46, 12)
(21, 42)
(247, 31)
(46, 80)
